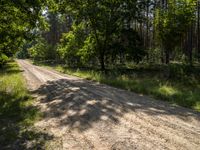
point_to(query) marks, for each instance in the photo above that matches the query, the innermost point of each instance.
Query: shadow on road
(81, 103)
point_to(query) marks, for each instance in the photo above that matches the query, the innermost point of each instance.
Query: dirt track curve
(82, 114)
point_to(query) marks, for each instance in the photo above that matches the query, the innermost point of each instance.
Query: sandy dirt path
(85, 115)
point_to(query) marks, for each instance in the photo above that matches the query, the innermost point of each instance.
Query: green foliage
(41, 50)
(105, 21)
(3, 59)
(17, 113)
(38, 50)
(182, 72)
(154, 55)
(173, 22)
(72, 48)
(132, 45)
(18, 18)
(23, 52)
(87, 52)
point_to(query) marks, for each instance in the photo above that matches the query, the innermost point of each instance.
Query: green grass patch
(17, 113)
(180, 87)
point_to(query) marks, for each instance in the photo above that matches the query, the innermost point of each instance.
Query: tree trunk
(198, 30)
(147, 29)
(190, 45)
(167, 56)
(162, 58)
(102, 62)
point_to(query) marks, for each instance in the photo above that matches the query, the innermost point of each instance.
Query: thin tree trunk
(167, 56)
(102, 62)
(198, 30)
(147, 29)
(190, 44)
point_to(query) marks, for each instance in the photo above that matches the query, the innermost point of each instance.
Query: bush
(181, 71)
(3, 59)
(75, 48)
(41, 50)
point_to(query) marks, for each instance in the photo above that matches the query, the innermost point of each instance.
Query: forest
(99, 33)
(154, 41)
(99, 74)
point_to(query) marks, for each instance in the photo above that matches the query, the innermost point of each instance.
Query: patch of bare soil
(81, 114)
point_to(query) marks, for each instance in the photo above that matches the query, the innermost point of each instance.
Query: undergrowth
(17, 112)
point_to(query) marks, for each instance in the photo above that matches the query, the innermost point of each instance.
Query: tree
(18, 18)
(71, 43)
(105, 20)
(172, 24)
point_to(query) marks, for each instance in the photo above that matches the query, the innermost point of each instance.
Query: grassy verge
(181, 88)
(17, 113)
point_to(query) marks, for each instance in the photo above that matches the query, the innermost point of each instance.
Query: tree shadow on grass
(10, 68)
(16, 119)
(81, 103)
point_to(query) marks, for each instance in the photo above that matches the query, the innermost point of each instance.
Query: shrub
(3, 59)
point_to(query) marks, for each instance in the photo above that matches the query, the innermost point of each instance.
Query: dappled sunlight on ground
(83, 114)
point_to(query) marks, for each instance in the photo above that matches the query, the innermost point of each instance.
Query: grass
(17, 113)
(180, 87)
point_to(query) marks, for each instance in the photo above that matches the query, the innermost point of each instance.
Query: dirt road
(86, 115)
